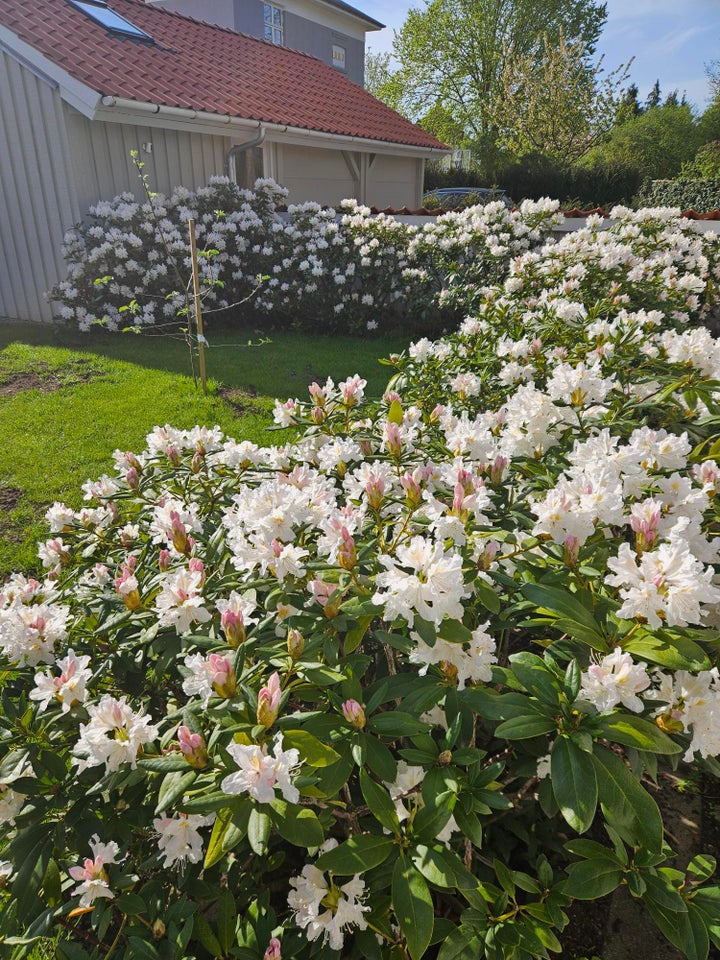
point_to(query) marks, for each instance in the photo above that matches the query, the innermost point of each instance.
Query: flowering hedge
(322, 269)
(389, 689)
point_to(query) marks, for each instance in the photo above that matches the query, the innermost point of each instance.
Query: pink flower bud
(393, 439)
(571, 551)
(164, 560)
(172, 454)
(347, 554)
(317, 415)
(269, 702)
(375, 492)
(197, 566)
(497, 470)
(317, 394)
(273, 950)
(354, 714)
(295, 643)
(223, 682)
(132, 478)
(233, 625)
(193, 748)
(178, 533)
(197, 462)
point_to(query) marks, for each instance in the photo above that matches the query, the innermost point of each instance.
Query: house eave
(120, 109)
(77, 94)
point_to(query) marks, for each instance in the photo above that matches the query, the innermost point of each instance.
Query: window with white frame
(338, 56)
(273, 17)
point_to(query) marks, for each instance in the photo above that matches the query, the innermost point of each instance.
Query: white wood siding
(312, 174)
(36, 191)
(103, 166)
(394, 182)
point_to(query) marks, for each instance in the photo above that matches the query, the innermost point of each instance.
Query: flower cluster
(364, 690)
(330, 270)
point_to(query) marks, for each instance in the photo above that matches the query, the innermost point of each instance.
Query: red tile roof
(200, 66)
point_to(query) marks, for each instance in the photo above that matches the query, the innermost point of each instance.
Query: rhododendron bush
(395, 687)
(326, 270)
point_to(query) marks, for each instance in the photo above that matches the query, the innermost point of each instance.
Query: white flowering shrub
(323, 270)
(396, 687)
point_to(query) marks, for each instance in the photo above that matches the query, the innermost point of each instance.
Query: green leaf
(173, 787)
(636, 732)
(574, 783)
(131, 904)
(379, 801)
(676, 653)
(432, 820)
(628, 807)
(575, 618)
(524, 728)
(534, 675)
(354, 637)
(259, 830)
(454, 631)
(202, 932)
(395, 413)
(164, 764)
(357, 854)
(413, 906)
(298, 825)
(486, 595)
(395, 723)
(140, 949)
(313, 751)
(688, 930)
(226, 833)
(460, 945)
(702, 866)
(226, 920)
(442, 867)
(592, 879)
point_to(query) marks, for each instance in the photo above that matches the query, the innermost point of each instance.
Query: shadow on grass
(271, 363)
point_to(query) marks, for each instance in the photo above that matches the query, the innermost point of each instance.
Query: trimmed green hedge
(700, 195)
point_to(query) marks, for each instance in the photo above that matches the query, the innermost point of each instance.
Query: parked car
(450, 197)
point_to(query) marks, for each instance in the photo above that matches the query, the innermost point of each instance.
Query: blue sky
(671, 40)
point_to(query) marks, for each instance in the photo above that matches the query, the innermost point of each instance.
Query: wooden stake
(198, 305)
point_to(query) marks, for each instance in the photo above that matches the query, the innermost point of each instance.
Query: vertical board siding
(104, 167)
(36, 191)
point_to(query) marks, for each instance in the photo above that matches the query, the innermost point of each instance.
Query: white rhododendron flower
(668, 585)
(260, 773)
(92, 877)
(180, 603)
(114, 735)
(615, 679)
(309, 898)
(179, 840)
(68, 688)
(472, 664)
(422, 578)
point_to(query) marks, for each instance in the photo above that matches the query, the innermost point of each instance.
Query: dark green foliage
(700, 195)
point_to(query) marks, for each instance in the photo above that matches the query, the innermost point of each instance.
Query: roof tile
(206, 67)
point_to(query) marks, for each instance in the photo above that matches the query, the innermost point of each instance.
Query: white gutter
(204, 116)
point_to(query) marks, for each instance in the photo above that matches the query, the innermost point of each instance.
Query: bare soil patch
(42, 378)
(9, 498)
(242, 401)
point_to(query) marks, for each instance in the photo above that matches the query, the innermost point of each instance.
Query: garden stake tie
(198, 304)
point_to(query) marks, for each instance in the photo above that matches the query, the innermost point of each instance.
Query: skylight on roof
(101, 13)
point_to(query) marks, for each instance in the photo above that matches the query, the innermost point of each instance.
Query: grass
(67, 400)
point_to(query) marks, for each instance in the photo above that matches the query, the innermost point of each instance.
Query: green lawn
(67, 400)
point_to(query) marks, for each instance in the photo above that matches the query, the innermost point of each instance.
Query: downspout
(241, 148)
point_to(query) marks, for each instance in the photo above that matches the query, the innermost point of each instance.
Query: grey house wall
(102, 165)
(37, 190)
(300, 33)
(317, 40)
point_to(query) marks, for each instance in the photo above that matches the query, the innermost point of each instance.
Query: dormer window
(273, 17)
(101, 13)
